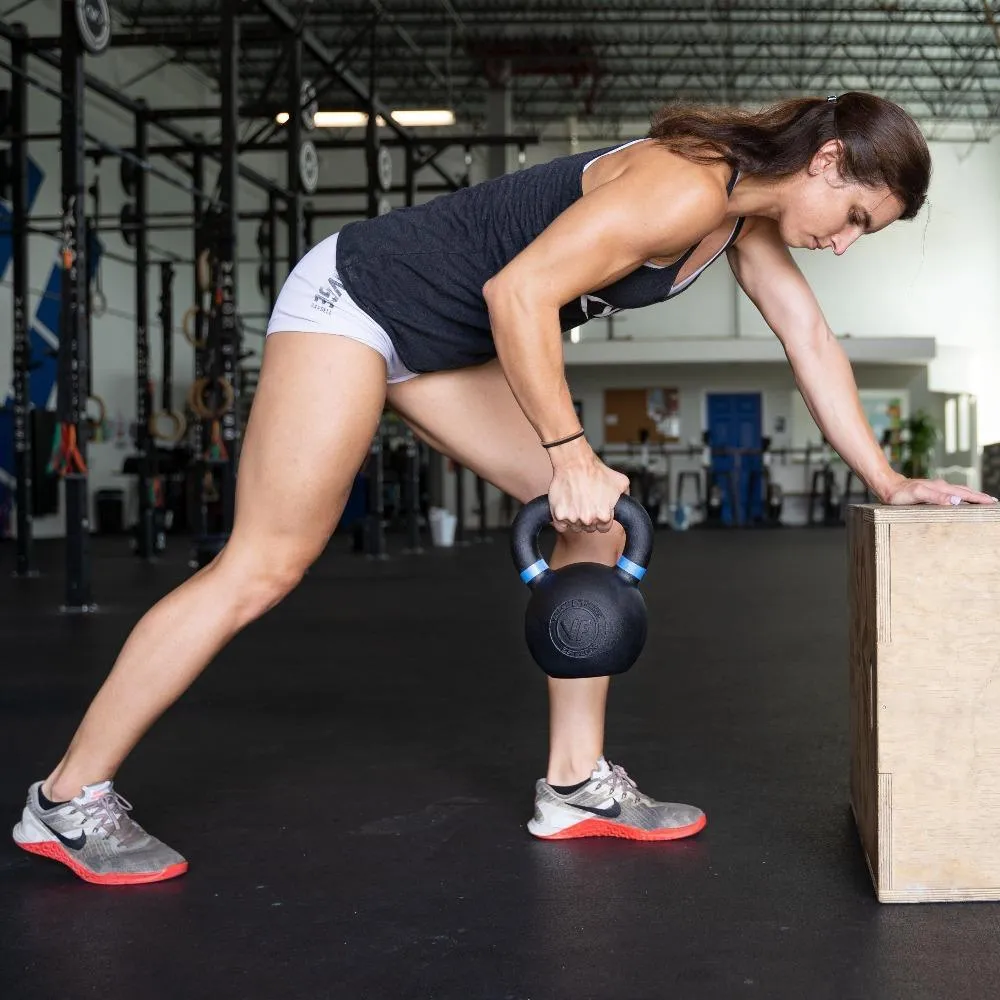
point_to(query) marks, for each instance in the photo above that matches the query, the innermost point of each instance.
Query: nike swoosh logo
(73, 843)
(611, 812)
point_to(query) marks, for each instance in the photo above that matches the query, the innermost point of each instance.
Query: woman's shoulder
(655, 169)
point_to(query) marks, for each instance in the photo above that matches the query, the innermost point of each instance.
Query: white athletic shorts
(314, 300)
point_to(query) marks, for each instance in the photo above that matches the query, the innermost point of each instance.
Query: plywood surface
(967, 513)
(939, 704)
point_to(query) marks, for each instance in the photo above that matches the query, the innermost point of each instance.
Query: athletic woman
(453, 312)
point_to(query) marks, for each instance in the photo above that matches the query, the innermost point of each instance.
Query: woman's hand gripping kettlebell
(583, 491)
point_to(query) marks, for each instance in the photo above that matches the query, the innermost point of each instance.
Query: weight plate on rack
(309, 104)
(384, 206)
(384, 168)
(263, 235)
(128, 219)
(127, 171)
(309, 167)
(263, 279)
(93, 22)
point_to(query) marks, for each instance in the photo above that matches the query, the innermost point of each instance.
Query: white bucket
(442, 524)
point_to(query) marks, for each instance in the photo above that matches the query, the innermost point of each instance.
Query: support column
(411, 174)
(143, 408)
(273, 217)
(73, 349)
(198, 435)
(499, 121)
(227, 247)
(296, 229)
(371, 132)
(21, 331)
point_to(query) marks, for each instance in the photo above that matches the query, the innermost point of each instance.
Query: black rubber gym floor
(350, 782)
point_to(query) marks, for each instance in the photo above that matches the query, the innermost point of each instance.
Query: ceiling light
(340, 119)
(416, 117)
(407, 117)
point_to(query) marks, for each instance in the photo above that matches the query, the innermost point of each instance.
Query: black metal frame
(228, 339)
(73, 373)
(22, 333)
(144, 446)
(293, 139)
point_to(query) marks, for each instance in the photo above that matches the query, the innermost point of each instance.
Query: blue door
(734, 421)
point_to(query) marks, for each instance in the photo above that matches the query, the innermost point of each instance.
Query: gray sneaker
(94, 835)
(610, 805)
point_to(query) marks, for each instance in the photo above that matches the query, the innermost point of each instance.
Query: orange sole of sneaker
(58, 853)
(602, 828)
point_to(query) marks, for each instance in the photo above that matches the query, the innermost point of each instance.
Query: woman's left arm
(769, 276)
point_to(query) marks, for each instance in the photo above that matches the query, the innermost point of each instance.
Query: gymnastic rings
(177, 430)
(96, 424)
(189, 328)
(203, 271)
(198, 403)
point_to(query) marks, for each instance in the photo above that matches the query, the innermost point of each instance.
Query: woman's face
(822, 211)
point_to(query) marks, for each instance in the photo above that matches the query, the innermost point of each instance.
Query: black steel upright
(143, 403)
(371, 130)
(411, 174)
(199, 431)
(73, 349)
(167, 332)
(22, 337)
(296, 228)
(228, 339)
(271, 249)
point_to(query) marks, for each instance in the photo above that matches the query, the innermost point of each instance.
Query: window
(951, 426)
(964, 430)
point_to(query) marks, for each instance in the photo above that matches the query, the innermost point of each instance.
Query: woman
(453, 312)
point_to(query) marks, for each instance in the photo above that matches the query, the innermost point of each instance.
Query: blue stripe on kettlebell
(633, 569)
(535, 569)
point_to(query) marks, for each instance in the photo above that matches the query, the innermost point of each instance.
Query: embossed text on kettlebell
(578, 628)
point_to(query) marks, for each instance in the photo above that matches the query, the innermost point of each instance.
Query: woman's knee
(261, 578)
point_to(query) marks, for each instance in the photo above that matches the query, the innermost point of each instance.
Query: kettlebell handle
(535, 514)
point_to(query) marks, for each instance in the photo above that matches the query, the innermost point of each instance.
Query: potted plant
(920, 435)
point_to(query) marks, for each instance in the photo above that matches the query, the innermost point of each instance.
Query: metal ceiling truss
(608, 63)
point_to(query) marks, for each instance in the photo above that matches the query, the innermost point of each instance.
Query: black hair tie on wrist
(565, 440)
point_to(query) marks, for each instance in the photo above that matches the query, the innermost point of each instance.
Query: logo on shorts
(596, 308)
(328, 295)
(578, 628)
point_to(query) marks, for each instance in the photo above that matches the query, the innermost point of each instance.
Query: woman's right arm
(647, 211)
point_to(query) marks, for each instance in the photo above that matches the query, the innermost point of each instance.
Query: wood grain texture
(963, 514)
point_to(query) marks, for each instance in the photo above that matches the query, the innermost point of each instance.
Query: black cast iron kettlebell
(585, 619)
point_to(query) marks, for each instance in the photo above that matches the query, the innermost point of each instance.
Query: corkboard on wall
(628, 411)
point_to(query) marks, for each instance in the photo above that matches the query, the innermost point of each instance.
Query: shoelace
(620, 786)
(109, 814)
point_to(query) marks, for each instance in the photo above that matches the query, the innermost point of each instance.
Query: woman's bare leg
(472, 416)
(315, 411)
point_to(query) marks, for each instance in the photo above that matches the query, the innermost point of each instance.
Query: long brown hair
(882, 144)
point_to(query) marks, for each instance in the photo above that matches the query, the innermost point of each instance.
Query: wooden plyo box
(925, 699)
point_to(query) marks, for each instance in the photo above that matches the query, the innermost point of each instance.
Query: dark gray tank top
(419, 272)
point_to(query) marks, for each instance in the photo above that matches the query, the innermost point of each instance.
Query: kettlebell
(585, 619)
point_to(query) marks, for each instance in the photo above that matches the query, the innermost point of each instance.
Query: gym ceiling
(609, 62)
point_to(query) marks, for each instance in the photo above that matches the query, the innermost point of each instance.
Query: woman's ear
(828, 155)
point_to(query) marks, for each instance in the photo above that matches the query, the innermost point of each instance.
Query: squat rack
(285, 204)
